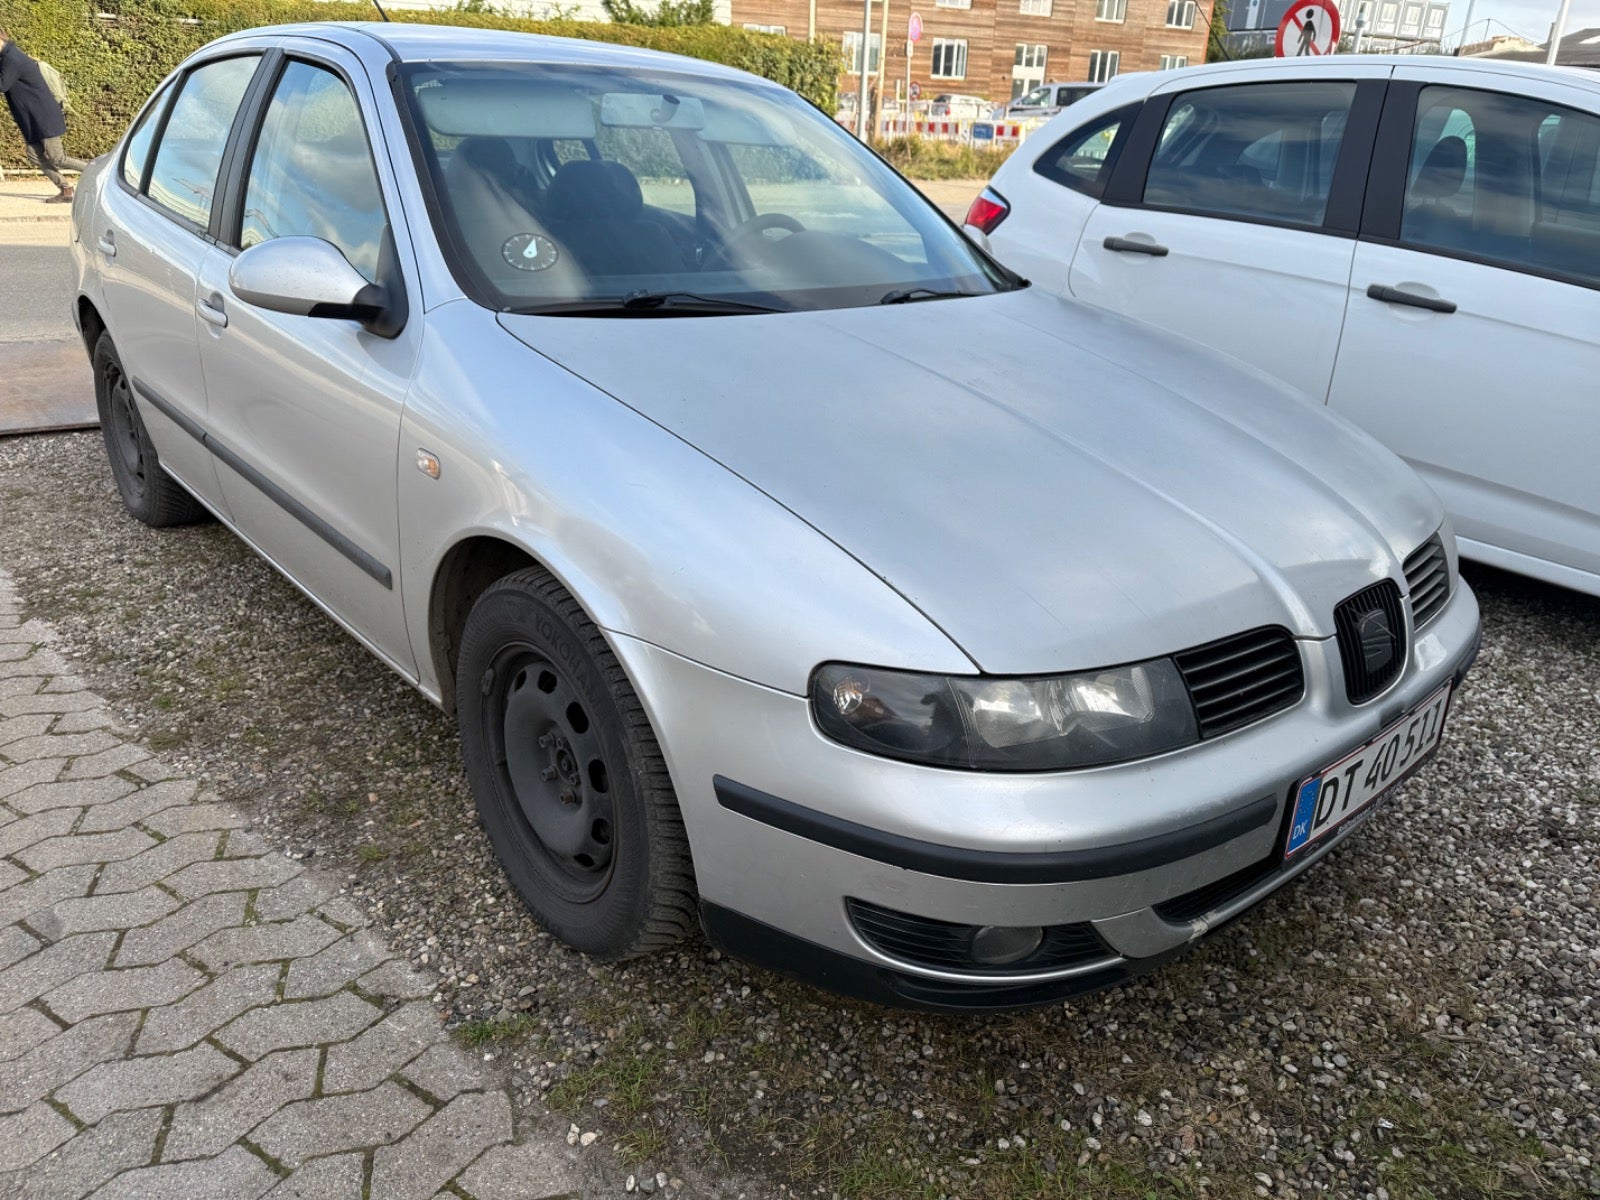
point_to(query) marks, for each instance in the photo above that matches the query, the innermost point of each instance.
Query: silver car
(789, 565)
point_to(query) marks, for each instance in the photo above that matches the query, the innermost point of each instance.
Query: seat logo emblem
(1377, 640)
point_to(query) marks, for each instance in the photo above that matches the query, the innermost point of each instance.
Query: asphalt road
(37, 284)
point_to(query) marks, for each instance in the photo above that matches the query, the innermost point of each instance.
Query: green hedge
(111, 66)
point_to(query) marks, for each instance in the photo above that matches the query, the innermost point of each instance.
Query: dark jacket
(35, 110)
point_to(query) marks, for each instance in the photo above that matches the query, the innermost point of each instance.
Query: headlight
(1042, 724)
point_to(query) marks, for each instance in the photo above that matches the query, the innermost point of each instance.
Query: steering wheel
(757, 225)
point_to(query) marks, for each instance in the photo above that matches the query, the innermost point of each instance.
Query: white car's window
(183, 178)
(312, 172)
(1260, 151)
(1511, 179)
(1034, 99)
(137, 152)
(1083, 160)
(561, 186)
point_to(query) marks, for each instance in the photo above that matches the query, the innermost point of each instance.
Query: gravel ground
(1417, 1018)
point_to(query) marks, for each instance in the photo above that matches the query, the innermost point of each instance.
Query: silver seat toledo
(788, 563)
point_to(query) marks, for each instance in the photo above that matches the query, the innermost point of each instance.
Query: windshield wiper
(646, 303)
(907, 295)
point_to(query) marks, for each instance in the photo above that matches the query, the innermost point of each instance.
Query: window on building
(852, 52)
(1103, 65)
(1027, 67)
(1435, 22)
(778, 29)
(1036, 8)
(1388, 18)
(1111, 10)
(949, 58)
(1180, 14)
(1411, 20)
(1171, 62)
(952, 3)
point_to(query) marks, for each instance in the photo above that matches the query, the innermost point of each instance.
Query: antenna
(379, 7)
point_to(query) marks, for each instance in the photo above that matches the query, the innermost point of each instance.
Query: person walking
(38, 116)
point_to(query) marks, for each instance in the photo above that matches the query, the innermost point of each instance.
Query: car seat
(1430, 218)
(596, 211)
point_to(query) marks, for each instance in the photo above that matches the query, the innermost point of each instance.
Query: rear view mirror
(642, 110)
(307, 277)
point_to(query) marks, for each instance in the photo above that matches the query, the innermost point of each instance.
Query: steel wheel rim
(554, 771)
(125, 426)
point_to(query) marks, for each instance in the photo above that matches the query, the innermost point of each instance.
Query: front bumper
(792, 833)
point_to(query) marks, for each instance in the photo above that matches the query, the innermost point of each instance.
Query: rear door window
(137, 152)
(183, 178)
(1259, 151)
(1513, 180)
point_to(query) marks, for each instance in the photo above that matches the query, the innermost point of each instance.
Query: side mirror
(308, 277)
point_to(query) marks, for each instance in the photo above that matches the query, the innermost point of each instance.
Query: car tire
(148, 493)
(570, 783)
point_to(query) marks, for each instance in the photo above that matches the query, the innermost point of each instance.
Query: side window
(1263, 151)
(312, 173)
(1511, 179)
(1084, 159)
(183, 178)
(137, 152)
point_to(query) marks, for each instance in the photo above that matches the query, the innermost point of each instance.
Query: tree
(668, 12)
(1217, 33)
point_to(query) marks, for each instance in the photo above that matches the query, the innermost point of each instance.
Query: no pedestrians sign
(1309, 27)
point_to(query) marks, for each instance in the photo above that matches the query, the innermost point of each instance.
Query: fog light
(996, 945)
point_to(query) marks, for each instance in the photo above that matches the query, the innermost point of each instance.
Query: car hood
(1051, 485)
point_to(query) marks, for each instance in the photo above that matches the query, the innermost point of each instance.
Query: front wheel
(569, 780)
(148, 493)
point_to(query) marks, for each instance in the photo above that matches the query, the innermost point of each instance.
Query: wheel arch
(90, 324)
(465, 572)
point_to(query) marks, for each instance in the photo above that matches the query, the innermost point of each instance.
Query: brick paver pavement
(185, 1012)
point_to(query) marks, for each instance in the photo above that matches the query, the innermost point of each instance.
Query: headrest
(592, 190)
(1443, 171)
(490, 154)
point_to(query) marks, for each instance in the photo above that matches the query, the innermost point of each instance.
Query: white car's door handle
(107, 244)
(1124, 245)
(210, 309)
(1394, 295)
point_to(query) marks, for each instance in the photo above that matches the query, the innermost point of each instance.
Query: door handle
(1393, 295)
(210, 309)
(1124, 245)
(107, 244)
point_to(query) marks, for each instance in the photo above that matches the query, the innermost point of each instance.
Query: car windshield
(568, 190)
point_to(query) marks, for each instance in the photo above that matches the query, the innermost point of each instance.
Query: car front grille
(1428, 581)
(1242, 678)
(946, 946)
(1372, 640)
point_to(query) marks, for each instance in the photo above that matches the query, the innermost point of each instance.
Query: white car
(1048, 100)
(1414, 242)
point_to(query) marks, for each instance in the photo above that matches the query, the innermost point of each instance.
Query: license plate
(1337, 793)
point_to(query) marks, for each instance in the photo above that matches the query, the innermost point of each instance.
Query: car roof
(409, 41)
(1335, 63)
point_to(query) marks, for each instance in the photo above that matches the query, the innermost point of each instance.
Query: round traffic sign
(914, 28)
(1309, 27)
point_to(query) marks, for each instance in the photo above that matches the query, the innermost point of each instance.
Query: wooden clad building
(996, 49)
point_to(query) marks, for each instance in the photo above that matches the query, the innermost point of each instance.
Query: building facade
(995, 49)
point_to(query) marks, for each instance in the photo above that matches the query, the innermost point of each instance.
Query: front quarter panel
(654, 539)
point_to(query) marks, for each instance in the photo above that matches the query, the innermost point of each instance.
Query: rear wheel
(569, 780)
(148, 493)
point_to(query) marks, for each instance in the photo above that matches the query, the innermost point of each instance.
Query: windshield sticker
(530, 252)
